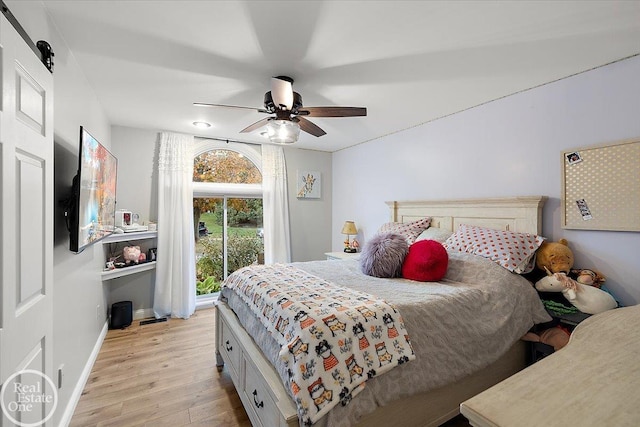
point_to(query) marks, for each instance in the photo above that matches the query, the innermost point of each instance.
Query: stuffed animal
(131, 254)
(555, 257)
(588, 277)
(557, 337)
(587, 299)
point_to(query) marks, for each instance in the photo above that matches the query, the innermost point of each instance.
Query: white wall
(508, 147)
(137, 157)
(79, 296)
(310, 220)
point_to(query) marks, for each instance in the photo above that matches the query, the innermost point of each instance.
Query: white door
(26, 232)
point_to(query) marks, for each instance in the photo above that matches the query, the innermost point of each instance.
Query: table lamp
(349, 228)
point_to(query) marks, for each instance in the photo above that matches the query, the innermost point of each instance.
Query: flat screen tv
(91, 208)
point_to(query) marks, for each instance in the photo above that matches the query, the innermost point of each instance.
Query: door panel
(30, 100)
(30, 191)
(26, 225)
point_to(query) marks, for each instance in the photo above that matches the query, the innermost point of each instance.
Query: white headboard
(520, 214)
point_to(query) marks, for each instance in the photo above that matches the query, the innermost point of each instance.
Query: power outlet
(98, 313)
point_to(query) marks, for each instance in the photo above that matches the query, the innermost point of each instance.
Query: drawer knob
(227, 346)
(255, 399)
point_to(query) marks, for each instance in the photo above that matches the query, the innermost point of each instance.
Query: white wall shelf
(148, 239)
(124, 237)
(126, 271)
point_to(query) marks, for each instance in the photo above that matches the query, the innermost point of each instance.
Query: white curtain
(277, 248)
(175, 292)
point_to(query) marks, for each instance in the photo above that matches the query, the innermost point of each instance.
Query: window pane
(225, 166)
(244, 244)
(209, 260)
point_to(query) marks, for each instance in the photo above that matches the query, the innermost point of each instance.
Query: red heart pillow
(426, 261)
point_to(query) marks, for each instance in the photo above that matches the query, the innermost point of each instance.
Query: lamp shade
(349, 227)
(283, 131)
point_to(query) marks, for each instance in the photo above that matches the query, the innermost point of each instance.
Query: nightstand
(341, 255)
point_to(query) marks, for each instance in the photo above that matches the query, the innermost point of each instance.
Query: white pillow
(435, 233)
(513, 251)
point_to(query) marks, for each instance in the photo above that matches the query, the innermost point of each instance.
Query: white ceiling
(407, 62)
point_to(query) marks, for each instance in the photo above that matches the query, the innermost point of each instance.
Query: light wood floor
(164, 374)
(160, 374)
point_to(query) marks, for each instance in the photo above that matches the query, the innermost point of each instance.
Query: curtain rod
(227, 140)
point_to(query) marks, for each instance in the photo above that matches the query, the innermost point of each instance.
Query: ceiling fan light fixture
(283, 131)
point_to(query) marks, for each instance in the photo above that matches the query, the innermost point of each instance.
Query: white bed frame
(261, 389)
(521, 214)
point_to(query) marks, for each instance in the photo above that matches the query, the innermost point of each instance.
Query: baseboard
(143, 313)
(82, 381)
(147, 313)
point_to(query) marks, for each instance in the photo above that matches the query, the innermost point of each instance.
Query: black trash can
(121, 314)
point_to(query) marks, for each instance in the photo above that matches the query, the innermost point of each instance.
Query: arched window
(227, 209)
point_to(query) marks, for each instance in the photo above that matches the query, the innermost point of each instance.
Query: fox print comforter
(333, 339)
(457, 326)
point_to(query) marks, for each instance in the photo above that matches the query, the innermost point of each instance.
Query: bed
(248, 353)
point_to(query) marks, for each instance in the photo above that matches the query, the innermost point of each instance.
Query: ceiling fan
(290, 114)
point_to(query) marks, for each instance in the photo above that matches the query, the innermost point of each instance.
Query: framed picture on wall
(309, 184)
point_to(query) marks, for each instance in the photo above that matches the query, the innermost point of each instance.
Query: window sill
(206, 301)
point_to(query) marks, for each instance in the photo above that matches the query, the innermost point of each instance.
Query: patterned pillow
(409, 230)
(383, 254)
(513, 251)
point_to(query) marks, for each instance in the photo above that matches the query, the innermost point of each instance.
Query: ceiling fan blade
(282, 92)
(333, 111)
(309, 127)
(255, 126)
(204, 104)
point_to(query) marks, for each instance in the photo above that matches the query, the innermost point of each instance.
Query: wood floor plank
(93, 417)
(160, 374)
(215, 408)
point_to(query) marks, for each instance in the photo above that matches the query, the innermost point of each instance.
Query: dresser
(593, 381)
